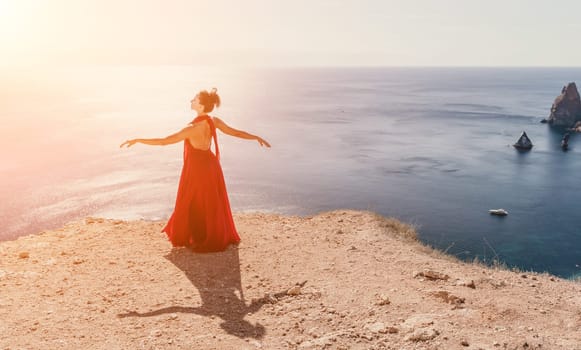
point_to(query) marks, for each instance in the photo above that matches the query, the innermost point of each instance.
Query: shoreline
(493, 264)
(339, 280)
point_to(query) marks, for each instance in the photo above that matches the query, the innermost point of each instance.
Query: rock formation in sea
(523, 142)
(566, 110)
(565, 141)
(576, 127)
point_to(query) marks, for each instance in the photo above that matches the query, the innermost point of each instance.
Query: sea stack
(565, 141)
(523, 142)
(566, 110)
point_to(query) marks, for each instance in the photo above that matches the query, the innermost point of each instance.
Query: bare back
(200, 136)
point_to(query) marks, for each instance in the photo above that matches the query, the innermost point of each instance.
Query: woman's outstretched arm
(168, 140)
(238, 133)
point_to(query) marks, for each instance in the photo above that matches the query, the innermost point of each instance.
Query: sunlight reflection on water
(427, 146)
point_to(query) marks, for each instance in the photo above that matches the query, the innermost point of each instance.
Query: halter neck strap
(212, 129)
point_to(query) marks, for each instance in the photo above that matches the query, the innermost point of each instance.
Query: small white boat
(499, 212)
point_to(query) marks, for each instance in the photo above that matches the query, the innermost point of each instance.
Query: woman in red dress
(202, 219)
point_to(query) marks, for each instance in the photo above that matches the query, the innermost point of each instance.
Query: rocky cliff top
(338, 280)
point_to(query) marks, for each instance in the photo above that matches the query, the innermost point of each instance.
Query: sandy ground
(366, 284)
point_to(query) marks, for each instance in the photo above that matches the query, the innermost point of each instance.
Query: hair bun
(209, 99)
(214, 97)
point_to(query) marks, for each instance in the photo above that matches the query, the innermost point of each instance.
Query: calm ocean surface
(430, 146)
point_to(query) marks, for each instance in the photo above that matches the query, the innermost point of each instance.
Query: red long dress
(202, 219)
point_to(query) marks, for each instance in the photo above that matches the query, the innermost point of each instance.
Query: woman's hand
(129, 143)
(262, 141)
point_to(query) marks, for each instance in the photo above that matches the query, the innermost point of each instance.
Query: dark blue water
(430, 146)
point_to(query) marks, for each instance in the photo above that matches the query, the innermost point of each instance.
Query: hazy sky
(297, 32)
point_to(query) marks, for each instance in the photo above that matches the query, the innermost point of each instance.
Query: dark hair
(209, 99)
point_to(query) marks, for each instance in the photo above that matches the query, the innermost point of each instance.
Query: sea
(429, 146)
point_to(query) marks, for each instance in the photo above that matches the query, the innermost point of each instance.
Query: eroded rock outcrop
(523, 142)
(566, 110)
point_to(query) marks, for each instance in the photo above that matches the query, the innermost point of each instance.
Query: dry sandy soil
(366, 284)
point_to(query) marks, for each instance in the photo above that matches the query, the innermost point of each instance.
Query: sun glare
(20, 27)
(8, 10)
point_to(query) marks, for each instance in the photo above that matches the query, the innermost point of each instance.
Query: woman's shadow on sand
(217, 278)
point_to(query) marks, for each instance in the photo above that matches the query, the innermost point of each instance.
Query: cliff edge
(337, 280)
